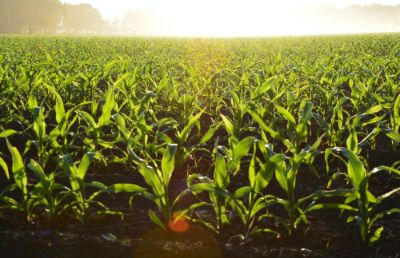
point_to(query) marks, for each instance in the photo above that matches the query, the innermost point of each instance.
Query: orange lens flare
(178, 225)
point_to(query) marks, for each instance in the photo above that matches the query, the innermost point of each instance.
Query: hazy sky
(114, 8)
(226, 17)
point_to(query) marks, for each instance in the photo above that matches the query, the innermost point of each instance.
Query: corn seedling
(366, 204)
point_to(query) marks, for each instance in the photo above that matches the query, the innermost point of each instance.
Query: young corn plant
(226, 165)
(295, 133)
(217, 193)
(393, 133)
(158, 179)
(65, 120)
(82, 204)
(335, 127)
(55, 142)
(42, 196)
(39, 128)
(360, 200)
(25, 204)
(3, 164)
(47, 193)
(358, 123)
(187, 143)
(134, 129)
(286, 173)
(93, 129)
(238, 110)
(249, 202)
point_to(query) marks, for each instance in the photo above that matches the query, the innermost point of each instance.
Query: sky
(116, 8)
(220, 17)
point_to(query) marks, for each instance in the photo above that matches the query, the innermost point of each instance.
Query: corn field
(252, 141)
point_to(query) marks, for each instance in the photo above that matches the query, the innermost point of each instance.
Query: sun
(231, 18)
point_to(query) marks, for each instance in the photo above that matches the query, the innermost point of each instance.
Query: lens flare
(178, 223)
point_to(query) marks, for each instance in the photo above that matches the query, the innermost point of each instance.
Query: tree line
(48, 16)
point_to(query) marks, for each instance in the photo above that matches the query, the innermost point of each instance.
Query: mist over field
(193, 18)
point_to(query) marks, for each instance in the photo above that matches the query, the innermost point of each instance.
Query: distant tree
(82, 18)
(5, 23)
(30, 15)
(43, 15)
(11, 16)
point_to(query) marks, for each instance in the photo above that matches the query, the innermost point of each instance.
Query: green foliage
(367, 204)
(158, 179)
(235, 119)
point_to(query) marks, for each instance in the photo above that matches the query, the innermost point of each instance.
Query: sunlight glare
(234, 18)
(178, 223)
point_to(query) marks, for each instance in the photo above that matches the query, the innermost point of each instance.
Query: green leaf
(220, 172)
(39, 124)
(306, 113)
(239, 208)
(106, 144)
(389, 169)
(60, 111)
(281, 177)
(265, 230)
(88, 119)
(259, 204)
(96, 184)
(72, 171)
(228, 125)
(85, 163)
(338, 206)
(352, 141)
(168, 161)
(209, 134)
(382, 214)
(355, 167)
(151, 179)
(32, 102)
(240, 150)
(202, 187)
(196, 205)
(274, 134)
(396, 111)
(376, 236)
(37, 169)
(252, 170)
(264, 176)
(4, 166)
(373, 110)
(7, 133)
(280, 171)
(301, 130)
(125, 188)
(387, 194)
(183, 135)
(18, 169)
(285, 113)
(339, 192)
(242, 191)
(394, 135)
(156, 220)
(107, 108)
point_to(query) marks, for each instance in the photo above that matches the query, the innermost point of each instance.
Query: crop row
(233, 118)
